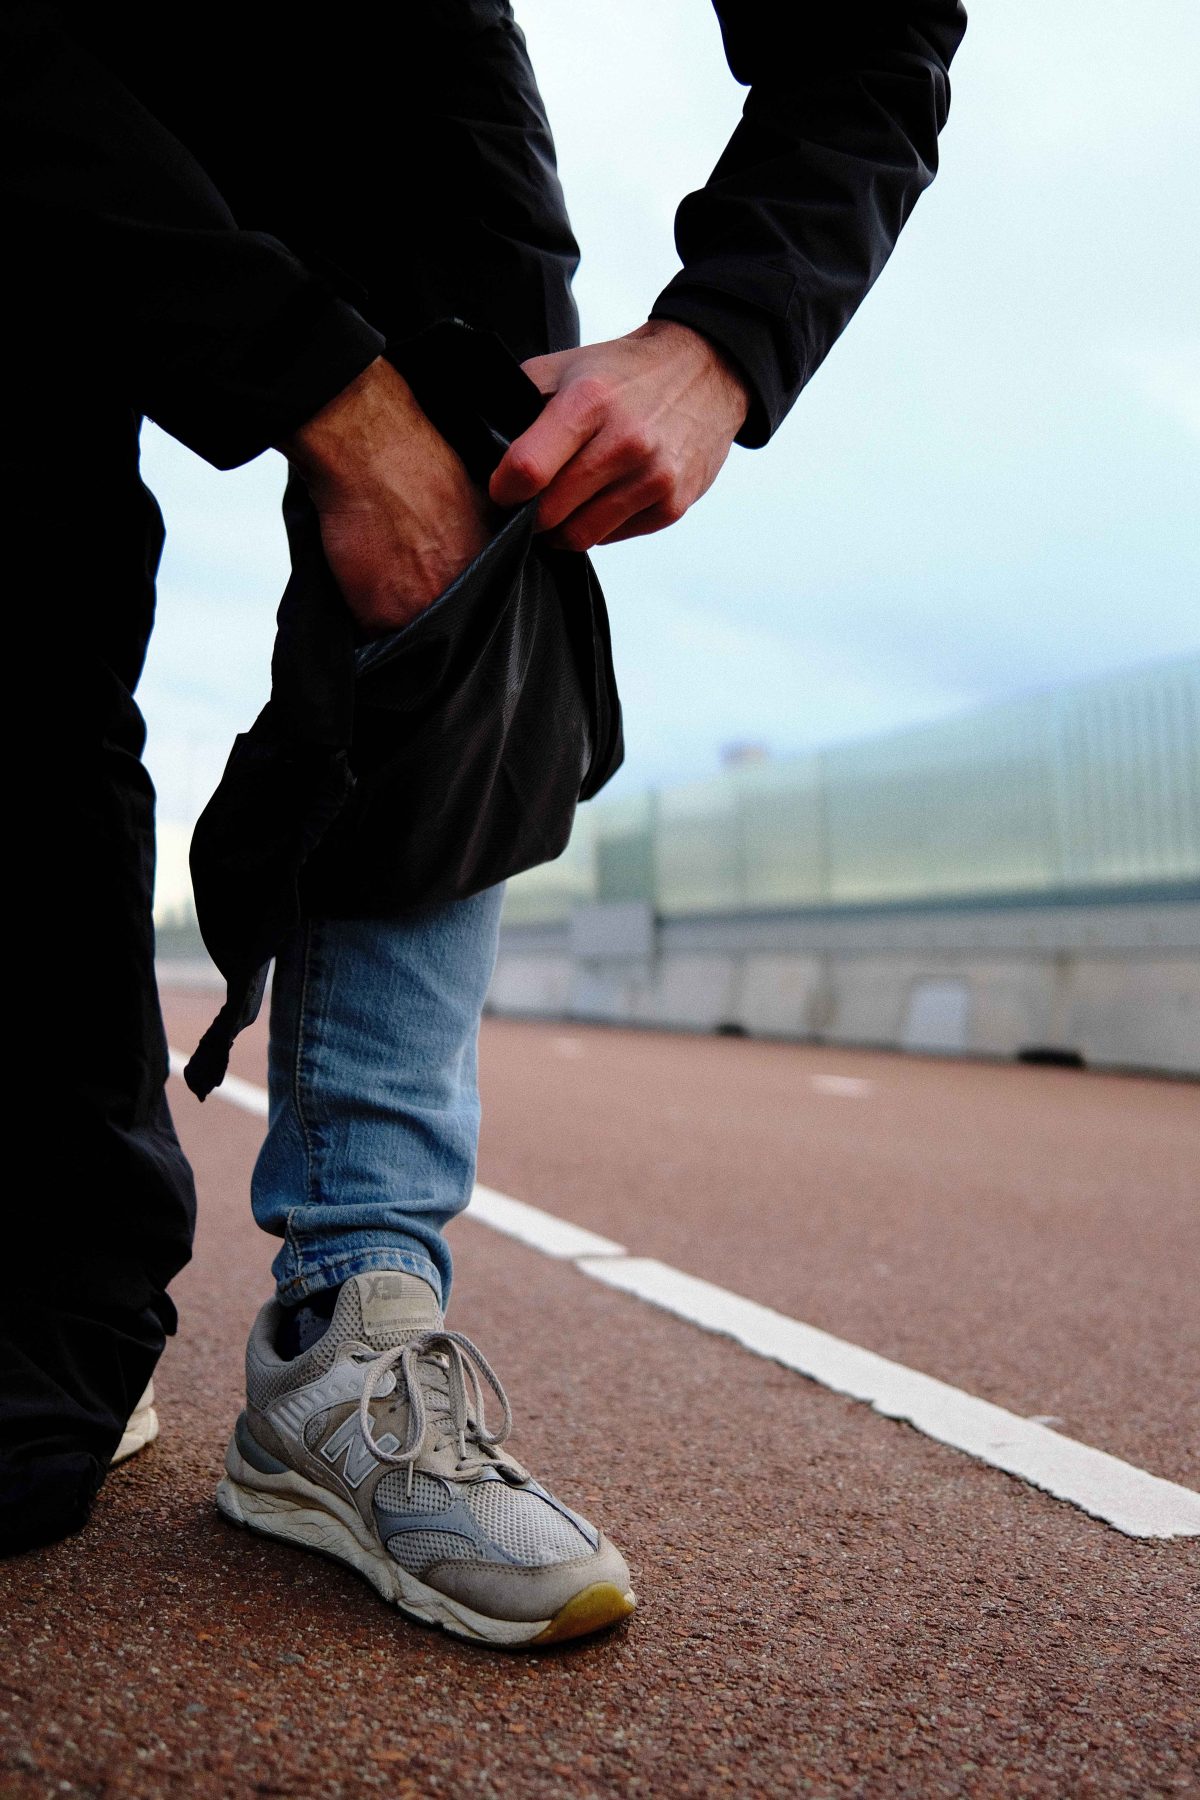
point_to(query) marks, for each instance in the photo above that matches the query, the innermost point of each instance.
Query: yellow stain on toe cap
(597, 1606)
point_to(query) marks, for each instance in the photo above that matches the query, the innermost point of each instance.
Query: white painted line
(1138, 1504)
(246, 1094)
(843, 1087)
(541, 1230)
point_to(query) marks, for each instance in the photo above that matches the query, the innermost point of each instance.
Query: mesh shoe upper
(480, 1520)
(426, 1473)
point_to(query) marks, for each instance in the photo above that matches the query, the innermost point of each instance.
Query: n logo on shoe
(348, 1442)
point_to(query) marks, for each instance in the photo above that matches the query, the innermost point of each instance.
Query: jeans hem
(331, 1271)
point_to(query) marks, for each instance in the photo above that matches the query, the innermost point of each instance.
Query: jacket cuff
(272, 381)
(744, 310)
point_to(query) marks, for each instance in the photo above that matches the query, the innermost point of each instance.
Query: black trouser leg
(101, 1207)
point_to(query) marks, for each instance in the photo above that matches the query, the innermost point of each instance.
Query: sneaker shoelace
(437, 1373)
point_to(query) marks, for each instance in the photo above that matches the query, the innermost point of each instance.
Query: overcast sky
(992, 485)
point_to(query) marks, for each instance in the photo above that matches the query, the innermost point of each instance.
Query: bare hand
(400, 516)
(637, 429)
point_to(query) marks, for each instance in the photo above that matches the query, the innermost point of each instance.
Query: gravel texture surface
(830, 1603)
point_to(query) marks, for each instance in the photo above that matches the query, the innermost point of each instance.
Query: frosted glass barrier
(546, 895)
(781, 810)
(698, 847)
(960, 807)
(624, 838)
(1126, 767)
(1097, 785)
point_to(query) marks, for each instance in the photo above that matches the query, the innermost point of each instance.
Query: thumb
(547, 372)
(518, 476)
(571, 416)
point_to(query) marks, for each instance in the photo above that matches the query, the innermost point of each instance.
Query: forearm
(839, 137)
(126, 251)
(399, 515)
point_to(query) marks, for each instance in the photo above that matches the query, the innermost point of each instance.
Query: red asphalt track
(831, 1604)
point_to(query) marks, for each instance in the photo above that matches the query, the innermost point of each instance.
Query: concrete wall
(1117, 983)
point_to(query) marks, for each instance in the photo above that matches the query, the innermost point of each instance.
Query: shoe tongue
(391, 1307)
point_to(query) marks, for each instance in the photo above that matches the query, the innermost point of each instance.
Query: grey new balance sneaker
(373, 1447)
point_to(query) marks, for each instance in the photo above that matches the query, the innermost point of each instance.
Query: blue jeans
(374, 1104)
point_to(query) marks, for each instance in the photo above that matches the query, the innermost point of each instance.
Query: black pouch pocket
(431, 763)
(480, 725)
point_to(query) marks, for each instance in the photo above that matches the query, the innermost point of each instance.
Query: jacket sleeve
(122, 252)
(838, 138)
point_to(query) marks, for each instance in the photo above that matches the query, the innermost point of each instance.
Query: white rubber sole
(141, 1430)
(295, 1511)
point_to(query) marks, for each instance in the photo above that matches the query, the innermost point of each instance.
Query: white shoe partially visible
(141, 1430)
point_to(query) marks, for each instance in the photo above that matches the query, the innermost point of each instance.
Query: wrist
(731, 383)
(345, 436)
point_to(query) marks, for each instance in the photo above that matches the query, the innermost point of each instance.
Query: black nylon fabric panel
(425, 765)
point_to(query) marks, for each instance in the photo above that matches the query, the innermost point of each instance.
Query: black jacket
(189, 194)
(228, 229)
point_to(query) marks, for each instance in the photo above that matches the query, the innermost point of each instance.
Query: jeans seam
(292, 1244)
(297, 1083)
